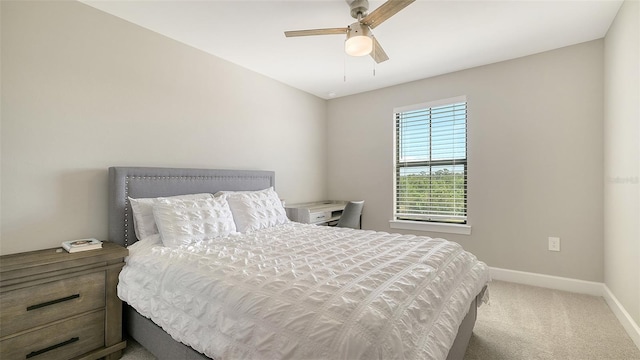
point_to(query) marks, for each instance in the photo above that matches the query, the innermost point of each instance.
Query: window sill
(430, 226)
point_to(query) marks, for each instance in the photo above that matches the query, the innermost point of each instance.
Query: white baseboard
(548, 281)
(623, 316)
(576, 286)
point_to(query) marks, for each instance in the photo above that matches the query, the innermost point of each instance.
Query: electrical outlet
(554, 244)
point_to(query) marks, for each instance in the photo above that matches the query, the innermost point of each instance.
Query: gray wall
(83, 90)
(535, 157)
(622, 158)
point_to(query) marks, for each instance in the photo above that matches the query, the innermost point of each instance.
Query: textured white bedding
(299, 291)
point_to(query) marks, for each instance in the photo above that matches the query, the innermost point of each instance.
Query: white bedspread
(306, 292)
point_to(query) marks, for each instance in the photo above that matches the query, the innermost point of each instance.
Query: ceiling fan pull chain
(344, 67)
(374, 61)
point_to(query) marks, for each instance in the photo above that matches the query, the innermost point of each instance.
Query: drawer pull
(52, 347)
(52, 302)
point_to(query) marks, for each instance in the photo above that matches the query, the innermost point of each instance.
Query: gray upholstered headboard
(146, 182)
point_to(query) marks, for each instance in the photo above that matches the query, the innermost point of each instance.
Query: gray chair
(351, 215)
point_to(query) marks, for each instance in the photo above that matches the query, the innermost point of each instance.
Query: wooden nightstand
(56, 305)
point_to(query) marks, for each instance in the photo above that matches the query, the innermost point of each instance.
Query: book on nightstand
(81, 245)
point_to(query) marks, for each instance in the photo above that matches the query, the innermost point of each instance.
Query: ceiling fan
(360, 41)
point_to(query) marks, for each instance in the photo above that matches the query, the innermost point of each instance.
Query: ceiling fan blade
(384, 12)
(333, 31)
(378, 53)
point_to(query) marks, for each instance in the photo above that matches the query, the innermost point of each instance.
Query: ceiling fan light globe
(358, 45)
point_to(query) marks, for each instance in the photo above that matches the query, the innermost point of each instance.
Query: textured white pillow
(143, 221)
(182, 222)
(254, 210)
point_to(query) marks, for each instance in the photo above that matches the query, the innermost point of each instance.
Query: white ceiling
(428, 38)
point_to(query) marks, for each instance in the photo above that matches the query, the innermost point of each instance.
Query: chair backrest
(351, 215)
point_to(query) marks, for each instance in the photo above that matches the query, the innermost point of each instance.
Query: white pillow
(183, 222)
(254, 210)
(143, 222)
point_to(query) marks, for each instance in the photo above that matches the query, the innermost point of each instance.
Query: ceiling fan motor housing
(359, 8)
(357, 29)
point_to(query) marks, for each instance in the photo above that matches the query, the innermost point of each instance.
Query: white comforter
(306, 292)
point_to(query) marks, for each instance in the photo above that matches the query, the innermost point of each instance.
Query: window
(431, 162)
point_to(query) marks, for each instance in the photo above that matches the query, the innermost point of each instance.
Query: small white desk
(320, 213)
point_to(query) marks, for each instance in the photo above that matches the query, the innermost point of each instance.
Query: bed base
(465, 330)
(156, 340)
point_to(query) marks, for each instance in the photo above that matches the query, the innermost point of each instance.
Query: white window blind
(431, 162)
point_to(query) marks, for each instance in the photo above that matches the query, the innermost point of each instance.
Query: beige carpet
(526, 322)
(530, 323)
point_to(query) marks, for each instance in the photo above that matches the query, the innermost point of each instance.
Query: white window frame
(425, 225)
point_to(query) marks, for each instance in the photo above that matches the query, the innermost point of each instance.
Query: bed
(283, 310)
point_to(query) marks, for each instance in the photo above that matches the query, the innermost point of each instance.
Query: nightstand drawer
(62, 340)
(40, 304)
